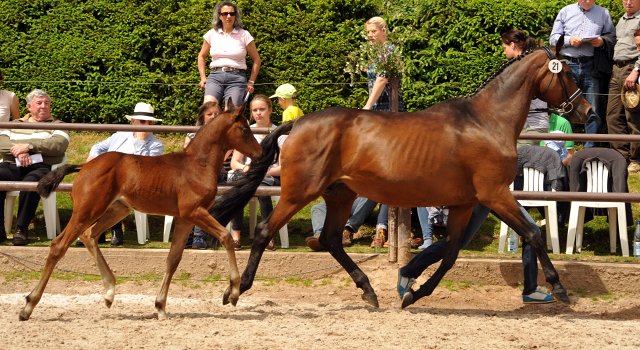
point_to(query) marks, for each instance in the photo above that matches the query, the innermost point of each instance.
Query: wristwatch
(30, 146)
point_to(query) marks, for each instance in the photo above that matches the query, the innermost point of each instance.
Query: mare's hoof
(108, 303)
(225, 297)
(162, 315)
(22, 318)
(234, 302)
(407, 298)
(561, 296)
(371, 299)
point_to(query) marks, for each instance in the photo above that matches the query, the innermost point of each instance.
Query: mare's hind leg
(506, 207)
(339, 203)
(458, 219)
(58, 249)
(116, 212)
(180, 236)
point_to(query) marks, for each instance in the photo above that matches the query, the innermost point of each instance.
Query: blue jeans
(360, 211)
(590, 88)
(435, 252)
(229, 84)
(383, 216)
(427, 228)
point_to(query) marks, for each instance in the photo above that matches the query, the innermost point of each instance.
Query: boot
(20, 236)
(117, 237)
(347, 236)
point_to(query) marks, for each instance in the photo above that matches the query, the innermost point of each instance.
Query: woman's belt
(228, 69)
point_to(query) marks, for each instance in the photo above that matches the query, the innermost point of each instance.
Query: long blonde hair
(260, 97)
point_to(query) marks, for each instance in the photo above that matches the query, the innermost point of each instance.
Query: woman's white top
(228, 50)
(259, 138)
(6, 97)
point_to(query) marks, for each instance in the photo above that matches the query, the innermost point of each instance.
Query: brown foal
(182, 185)
(456, 153)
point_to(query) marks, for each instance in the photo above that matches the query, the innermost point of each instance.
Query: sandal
(238, 245)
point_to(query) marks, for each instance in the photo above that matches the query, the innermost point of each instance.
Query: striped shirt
(573, 20)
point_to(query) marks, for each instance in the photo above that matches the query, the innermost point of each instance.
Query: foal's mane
(500, 69)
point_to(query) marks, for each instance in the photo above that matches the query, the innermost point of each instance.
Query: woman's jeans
(435, 252)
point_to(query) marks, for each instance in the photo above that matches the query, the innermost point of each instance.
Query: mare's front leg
(509, 211)
(114, 214)
(458, 219)
(339, 203)
(180, 236)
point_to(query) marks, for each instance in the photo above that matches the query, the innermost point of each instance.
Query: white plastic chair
(253, 218)
(597, 182)
(534, 181)
(49, 207)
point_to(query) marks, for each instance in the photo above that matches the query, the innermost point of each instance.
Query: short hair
(37, 93)
(379, 22)
(260, 97)
(217, 23)
(203, 110)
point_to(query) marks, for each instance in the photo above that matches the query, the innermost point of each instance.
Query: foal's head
(560, 90)
(239, 135)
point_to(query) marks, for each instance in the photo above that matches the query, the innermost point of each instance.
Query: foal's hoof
(561, 296)
(22, 317)
(371, 299)
(407, 298)
(108, 303)
(225, 296)
(162, 315)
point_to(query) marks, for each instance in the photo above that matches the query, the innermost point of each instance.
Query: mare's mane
(499, 70)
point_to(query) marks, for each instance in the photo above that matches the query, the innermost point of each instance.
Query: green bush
(114, 53)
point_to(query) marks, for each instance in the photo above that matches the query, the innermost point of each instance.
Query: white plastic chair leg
(580, 228)
(503, 236)
(613, 219)
(168, 221)
(51, 218)
(9, 204)
(552, 228)
(573, 225)
(622, 229)
(141, 226)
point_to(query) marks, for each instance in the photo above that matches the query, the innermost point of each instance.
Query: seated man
(27, 155)
(360, 211)
(141, 143)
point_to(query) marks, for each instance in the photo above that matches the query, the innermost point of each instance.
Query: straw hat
(143, 111)
(631, 99)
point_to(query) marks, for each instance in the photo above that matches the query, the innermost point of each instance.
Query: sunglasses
(142, 121)
(225, 14)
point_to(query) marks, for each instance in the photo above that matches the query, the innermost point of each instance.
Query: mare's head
(239, 135)
(557, 87)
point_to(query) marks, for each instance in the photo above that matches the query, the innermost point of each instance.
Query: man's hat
(143, 111)
(631, 98)
(285, 91)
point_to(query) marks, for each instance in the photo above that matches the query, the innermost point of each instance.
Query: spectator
(27, 155)
(286, 95)
(261, 109)
(142, 143)
(379, 91)
(585, 26)
(559, 124)
(360, 211)
(515, 43)
(9, 105)
(228, 44)
(624, 76)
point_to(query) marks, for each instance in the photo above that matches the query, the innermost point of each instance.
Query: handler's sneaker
(538, 297)
(199, 243)
(404, 284)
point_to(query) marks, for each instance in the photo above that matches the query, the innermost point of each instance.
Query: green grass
(484, 244)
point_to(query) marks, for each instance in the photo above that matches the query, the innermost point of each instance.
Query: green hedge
(156, 42)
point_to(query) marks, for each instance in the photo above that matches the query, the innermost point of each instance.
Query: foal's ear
(559, 46)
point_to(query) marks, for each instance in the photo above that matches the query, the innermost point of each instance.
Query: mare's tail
(50, 182)
(243, 190)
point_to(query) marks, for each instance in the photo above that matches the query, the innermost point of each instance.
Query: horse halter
(567, 106)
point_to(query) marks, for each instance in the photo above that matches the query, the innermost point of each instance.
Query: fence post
(392, 232)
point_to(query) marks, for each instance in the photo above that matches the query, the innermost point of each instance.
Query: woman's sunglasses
(232, 14)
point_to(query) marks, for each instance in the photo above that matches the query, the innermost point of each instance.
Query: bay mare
(456, 153)
(181, 184)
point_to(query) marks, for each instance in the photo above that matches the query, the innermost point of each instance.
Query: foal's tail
(243, 190)
(50, 182)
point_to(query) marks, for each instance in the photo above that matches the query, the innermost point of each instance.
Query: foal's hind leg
(114, 214)
(180, 235)
(508, 210)
(458, 219)
(58, 249)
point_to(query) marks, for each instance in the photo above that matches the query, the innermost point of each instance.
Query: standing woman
(228, 44)
(379, 92)
(515, 42)
(9, 105)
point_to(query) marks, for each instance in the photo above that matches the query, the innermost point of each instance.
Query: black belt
(227, 69)
(621, 64)
(582, 59)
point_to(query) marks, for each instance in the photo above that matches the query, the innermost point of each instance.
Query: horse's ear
(229, 105)
(559, 46)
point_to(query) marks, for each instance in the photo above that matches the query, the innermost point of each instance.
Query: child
(286, 95)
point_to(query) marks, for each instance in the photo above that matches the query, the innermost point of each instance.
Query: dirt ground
(319, 313)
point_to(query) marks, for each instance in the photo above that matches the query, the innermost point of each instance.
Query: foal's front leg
(180, 236)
